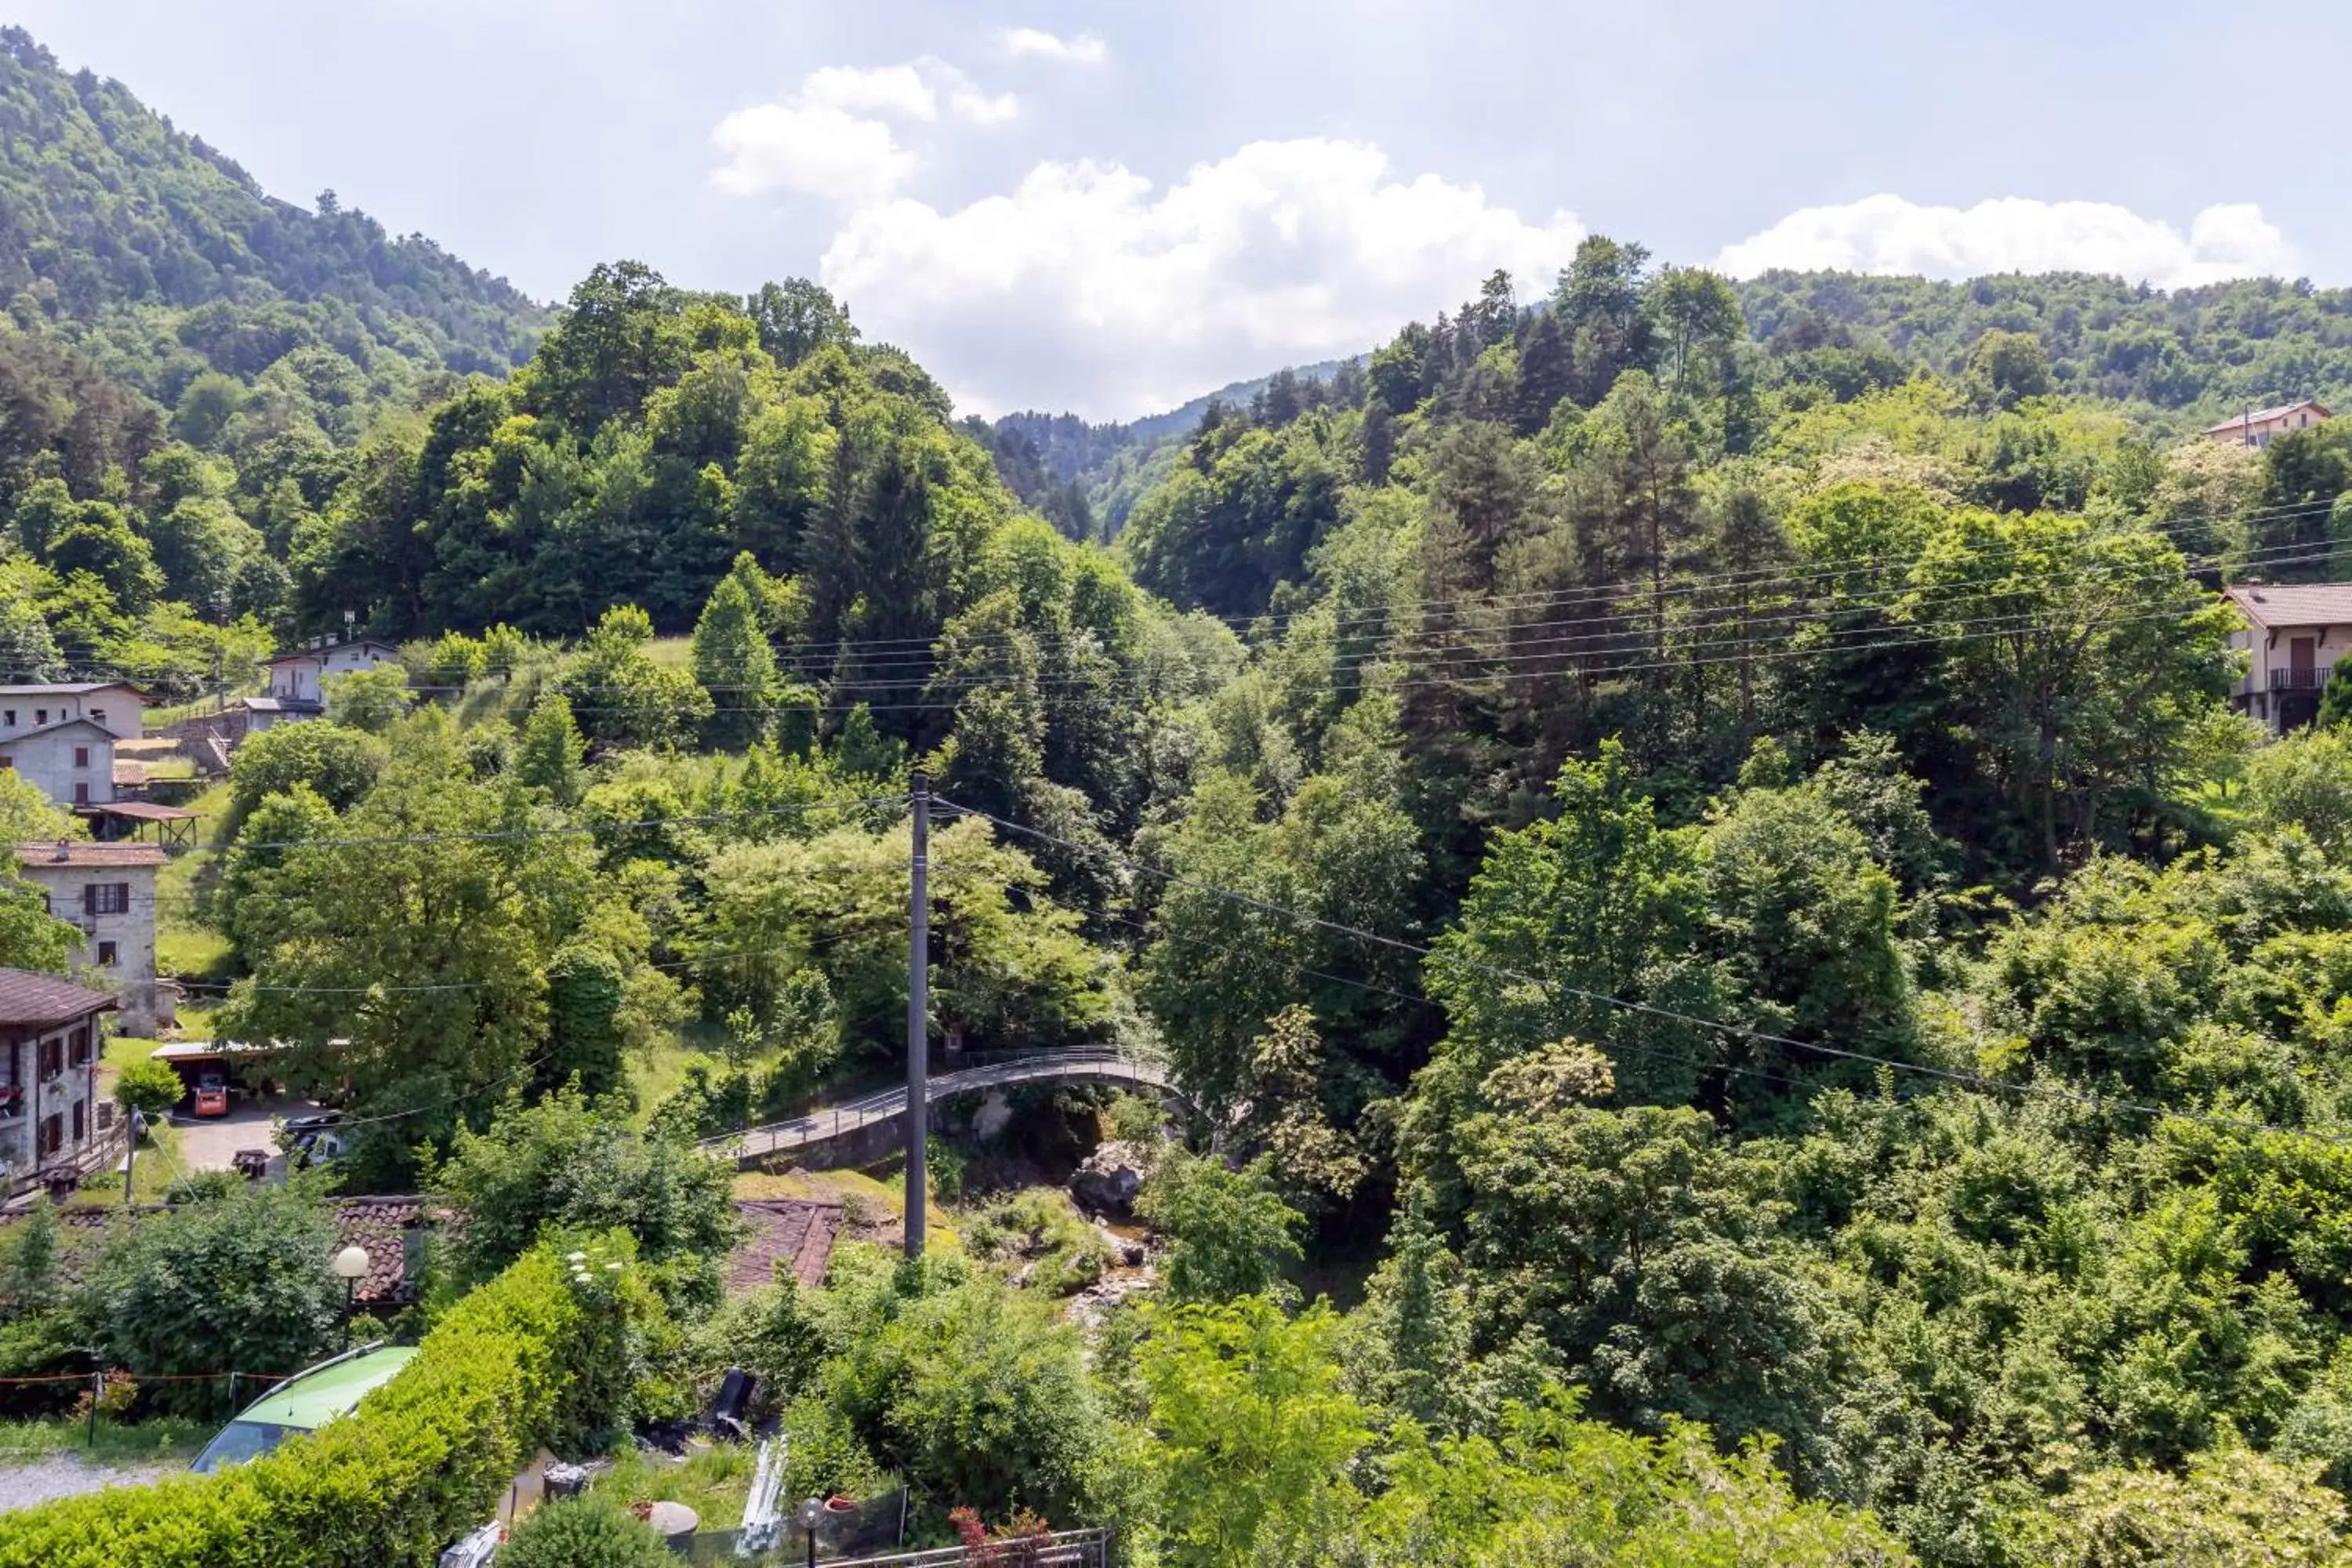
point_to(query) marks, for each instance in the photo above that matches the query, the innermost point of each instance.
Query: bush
(1038, 1229)
(147, 1086)
(424, 1459)
(591, 1532)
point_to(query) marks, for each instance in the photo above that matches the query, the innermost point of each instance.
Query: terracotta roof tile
(35, 855)
(41, 1001)
(779, 1230)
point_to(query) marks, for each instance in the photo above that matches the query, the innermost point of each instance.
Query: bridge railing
(973, 1072)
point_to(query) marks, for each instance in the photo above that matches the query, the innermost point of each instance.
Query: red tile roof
(2269, 604)
(37, 854)
(44, 1001)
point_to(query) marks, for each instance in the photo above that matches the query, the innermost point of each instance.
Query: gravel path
(26, 1481)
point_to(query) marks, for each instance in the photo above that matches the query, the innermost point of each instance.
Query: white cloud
(882, 89)
(812, 149)
(1086, 288)
(1886, 234)
(825, 141)
(1085, 49)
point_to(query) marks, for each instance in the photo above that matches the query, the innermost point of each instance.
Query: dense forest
(1683, 844)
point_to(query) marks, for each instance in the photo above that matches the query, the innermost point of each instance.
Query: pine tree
(734, 663)
(552, 750)
(1545, 374)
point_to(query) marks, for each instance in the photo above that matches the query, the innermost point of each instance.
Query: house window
(80, 1122)
(81, 756)
(106, 898)
(52, 1136)
(98, 715)
(80, 1042)
(8, 718)
(53, 1056)
(8, 763)
(108, 954)
(41, 715)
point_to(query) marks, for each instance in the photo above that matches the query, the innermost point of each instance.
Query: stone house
(51, 1113)
(108, 892)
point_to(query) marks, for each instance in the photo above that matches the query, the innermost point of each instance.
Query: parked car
(303, 1402)
(212, 1095)
(310, 1140)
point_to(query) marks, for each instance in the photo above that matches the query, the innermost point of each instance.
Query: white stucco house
(298, 678)
(71, 761)
(51, 1113)
(114, 706)
(2294, 634)
(107, 891)
(2261, 427)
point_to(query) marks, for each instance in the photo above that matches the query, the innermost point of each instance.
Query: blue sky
(1112, 206)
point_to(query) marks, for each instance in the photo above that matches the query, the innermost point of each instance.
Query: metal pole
(918, 1031)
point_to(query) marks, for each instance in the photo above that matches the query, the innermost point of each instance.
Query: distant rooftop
(71, 688)
(2264, 416)
(2270, 604)
(44, 1001)
(74, 853)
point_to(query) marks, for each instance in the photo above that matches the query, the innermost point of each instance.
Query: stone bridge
(857, 1128)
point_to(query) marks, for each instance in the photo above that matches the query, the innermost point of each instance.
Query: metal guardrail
(1005, 1069)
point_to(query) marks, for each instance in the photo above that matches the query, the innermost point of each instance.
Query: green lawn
(713, 1483)
(165, 1437)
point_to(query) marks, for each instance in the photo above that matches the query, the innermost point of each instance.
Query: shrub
(423, 1460)
(591, 1533)
(147, 1086)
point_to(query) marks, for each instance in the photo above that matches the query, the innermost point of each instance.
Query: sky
(1109, 207)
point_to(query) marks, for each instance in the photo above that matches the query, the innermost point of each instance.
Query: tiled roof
(779, 1230)
(2264, 416)
(382, 1225)
(35, 855)
(2269, 604)
(67, 689)
(41, 1001)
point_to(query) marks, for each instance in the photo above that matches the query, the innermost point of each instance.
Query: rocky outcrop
(1106, 1181)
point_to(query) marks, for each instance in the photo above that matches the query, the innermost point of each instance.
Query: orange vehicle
(212, 1095)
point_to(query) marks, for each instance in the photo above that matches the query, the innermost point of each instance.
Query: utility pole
(919, 1028)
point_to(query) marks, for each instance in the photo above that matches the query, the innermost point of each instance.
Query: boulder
(1106, 1181)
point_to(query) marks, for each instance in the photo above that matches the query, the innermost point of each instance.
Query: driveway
(212, 1143)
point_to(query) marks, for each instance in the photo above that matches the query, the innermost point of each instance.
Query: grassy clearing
(713, 1482)
(874, 1197)
(166, 1438)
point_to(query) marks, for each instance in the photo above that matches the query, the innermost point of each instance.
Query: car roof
(315, 1398)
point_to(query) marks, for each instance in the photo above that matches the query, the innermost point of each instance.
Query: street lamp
(352, 1265)
(810, 1511)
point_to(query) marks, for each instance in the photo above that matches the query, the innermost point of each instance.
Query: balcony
(2298, 680)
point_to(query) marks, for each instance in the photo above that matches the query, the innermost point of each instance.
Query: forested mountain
(2207, 352)
(164, 261)
(1688, 851)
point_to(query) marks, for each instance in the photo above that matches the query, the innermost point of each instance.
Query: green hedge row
(514, 1366)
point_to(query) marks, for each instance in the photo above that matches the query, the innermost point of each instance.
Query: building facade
(2261, 427)
(107, 891)
(2294, 634)
(298, 679)
(71, 761)
(120, 710)
(51, 1113)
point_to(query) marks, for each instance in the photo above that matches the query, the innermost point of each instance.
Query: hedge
(515, 1365)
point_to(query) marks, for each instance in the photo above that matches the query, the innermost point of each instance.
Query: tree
(735, 665)
(2005, 368)
(238, 1280)
(1600, 306)
(2304, 780)
(1254, 1435)
(797, 318)
(339, 764)
(1228, 1232)
(573, 1162)
(1699, 311)
(552, 750)
(623, 698)
(368, 701)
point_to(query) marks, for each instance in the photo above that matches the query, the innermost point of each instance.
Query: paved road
(1078, 1066)
(212, 1143)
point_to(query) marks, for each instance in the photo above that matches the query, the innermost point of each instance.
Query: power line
(1716, 1026)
